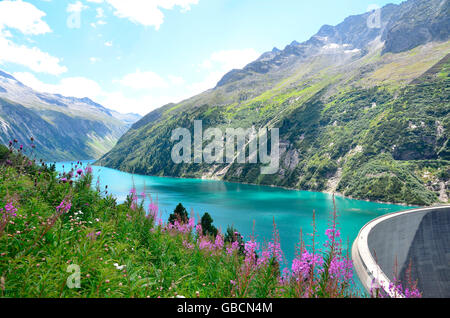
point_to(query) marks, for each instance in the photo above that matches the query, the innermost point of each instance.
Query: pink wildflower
(64, 207)
(188, 245)
(234, 247)
(218, 244)
(10, 210)
(205, 244)
(302, 267)
(88, 170)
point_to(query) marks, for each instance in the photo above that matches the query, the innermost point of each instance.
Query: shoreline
(279, 187)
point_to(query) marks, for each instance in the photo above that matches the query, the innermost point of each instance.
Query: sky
(138, 55)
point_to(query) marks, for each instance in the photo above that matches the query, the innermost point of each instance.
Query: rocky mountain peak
(402, 27)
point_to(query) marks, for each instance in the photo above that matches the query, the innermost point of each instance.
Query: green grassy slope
(56, 231)
(372, 143)
(58, 136)
(63, 128)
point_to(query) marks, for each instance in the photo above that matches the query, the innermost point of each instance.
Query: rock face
(358, 111)
(402, 27)
(418, 23)
(63, 128)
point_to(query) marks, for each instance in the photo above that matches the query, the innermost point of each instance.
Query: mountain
(63, 128)
(362, 111)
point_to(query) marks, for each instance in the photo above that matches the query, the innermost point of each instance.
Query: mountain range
(63, 128)
(363, 110)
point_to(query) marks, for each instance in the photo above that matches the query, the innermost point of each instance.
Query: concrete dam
(411, 244)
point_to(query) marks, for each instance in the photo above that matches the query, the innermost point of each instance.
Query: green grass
(33, 264)
(63, 226)
(62, 237)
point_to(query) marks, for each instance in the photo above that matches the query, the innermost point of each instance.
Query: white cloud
(31, 81)
(149, 90)
(27, 19)
(71, 86)
(148, 13)
(221, 62)
(79, 87)
(100, 13)
(101, 22)
(230, 59)
(142, 104)
(32, 58)
(100, 18)
(83, 87)
(143, 80)
(176, 80)
(5, 34)
(208, 82)
(109, 43)
(22, 16)
(94, 60)
(216, 65)
(76, 7)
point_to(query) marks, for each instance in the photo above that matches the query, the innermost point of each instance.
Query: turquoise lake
(249, 208)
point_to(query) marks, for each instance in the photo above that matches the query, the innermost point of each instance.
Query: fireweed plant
(50, 221)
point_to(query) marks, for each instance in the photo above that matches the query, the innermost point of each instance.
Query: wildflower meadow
(63, 235)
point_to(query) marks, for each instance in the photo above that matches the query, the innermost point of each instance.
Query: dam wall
(410, 245)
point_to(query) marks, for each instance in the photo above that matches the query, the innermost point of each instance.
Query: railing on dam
(412, 243)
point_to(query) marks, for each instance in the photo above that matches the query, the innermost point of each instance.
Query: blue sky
(137, 55)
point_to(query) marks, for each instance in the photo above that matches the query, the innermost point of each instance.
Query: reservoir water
(249, 208)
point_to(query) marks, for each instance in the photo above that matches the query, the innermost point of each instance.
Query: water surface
(249, 208)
